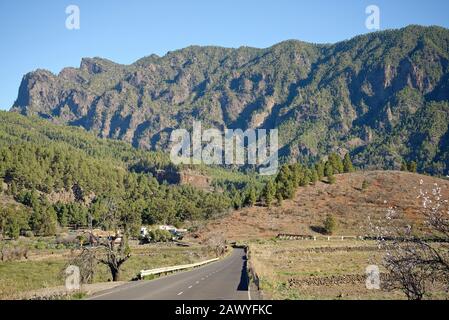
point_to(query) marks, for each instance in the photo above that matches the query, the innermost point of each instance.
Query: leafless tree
(111, 251)
(217, 243)
(86, 262)
(416, 259)
(115, 255)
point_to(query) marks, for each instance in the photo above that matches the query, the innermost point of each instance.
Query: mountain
(381, 96)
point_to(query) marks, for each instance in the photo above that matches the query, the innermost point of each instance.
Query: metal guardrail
(144, 273)
(283, 236)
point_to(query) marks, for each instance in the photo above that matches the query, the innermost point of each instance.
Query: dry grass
(318, 270)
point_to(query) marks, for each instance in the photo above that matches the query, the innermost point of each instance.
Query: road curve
(226, 279)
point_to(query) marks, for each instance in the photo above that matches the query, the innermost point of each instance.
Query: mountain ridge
(365, 95)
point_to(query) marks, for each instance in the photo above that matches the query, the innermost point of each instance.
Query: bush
(159, 236)
(13, 253)
(41, 245)
(365, 184)
(330, 224)
(29, 234)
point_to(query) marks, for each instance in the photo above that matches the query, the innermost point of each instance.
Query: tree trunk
(115, 273)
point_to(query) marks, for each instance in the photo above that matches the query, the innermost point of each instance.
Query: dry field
(319, 270)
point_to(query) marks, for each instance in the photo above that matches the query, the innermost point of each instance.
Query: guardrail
(283, 236)
(144, 273)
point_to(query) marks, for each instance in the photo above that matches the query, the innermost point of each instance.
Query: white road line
(180, 293)
(190, 287)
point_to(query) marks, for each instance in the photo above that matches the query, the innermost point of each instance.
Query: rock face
(375, 89)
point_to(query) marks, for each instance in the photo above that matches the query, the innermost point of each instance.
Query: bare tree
(86, 262)
(112, 251)
(416, 259)
(115, 255)
(217, 243)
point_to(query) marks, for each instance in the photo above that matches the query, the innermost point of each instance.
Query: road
(225, 279)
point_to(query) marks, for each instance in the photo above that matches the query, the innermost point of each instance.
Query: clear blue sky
(33, 33)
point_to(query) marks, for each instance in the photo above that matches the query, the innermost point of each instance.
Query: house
(143, 231)
(167, 228)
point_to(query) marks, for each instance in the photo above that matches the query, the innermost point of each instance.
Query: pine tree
(314, 176)
(329, 171)
(404, 166)
(279, 198)
(306, 179)
(289, 190)
(252, 197)
(269, 193)
(319, 167)
(347, 164)
(336, 162)
(412, 166)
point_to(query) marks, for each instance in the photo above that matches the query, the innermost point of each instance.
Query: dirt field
(346, 200)
(319, 270)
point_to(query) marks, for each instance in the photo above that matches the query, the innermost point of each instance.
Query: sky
(33, 34)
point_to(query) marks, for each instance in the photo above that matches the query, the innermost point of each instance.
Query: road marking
(197, 282)
(180, 293)
(190, 287)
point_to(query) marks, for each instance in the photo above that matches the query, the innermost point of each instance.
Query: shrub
(159, 236)
(29, 234)
(330, 224)
(365, 184)
(40, 245)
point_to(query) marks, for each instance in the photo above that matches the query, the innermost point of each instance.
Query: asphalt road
(225, 279)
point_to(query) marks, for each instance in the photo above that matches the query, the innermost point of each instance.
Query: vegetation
(330, 224)
(65, 176)
(45, 272)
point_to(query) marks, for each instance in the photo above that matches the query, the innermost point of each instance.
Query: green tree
(319, 167)
(347, 164)
(251, 197)
(404, 166)
(279, 198)
(314, 176)
(269, 193)
(412, 166)
(329, 171)
(336, 162)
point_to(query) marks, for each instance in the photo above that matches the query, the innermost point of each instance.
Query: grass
(21, 276)
(297, 269)
(17, 277)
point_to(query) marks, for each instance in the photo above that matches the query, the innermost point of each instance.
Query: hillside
(67, 176)
(346, 199)
(382, 96)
